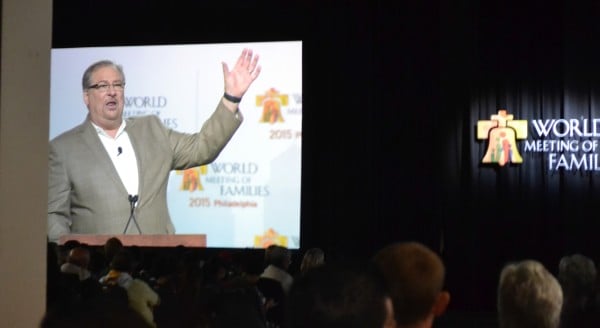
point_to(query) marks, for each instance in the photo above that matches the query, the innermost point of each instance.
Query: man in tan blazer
(97, 168)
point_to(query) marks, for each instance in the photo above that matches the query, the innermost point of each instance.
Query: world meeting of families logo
(567, 143)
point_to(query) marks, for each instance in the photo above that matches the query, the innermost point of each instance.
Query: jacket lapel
(100, 159)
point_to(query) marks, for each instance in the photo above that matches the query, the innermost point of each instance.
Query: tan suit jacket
(85, 192)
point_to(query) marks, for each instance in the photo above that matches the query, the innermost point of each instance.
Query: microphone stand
(132, 200)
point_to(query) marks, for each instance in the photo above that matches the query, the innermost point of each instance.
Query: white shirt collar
(100, 130)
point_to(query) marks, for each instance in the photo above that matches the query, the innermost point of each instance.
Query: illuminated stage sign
(569, 144)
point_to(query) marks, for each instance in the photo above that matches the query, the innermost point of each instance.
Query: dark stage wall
(392, 95)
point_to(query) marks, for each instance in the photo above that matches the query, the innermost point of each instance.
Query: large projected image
(250, 195)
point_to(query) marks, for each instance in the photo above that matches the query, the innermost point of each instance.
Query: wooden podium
(198, 240)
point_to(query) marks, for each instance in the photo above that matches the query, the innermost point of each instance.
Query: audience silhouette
(277, 261)
(275, 282)
(70, 305)
(344, 296)
(78, 277)
(142, 298)
(313, 257)
(401, 286)
(577, 277)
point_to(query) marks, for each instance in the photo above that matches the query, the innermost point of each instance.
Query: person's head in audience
(278, 256)
(576, 274)
(335, 296)
(65, 248)
(111, 247)
(215, 271)
(577, 277)
(79, 256)
(528, 296)
(250, 265)
(122, 261)
(78, 262)
(312, 258)
(415, 278)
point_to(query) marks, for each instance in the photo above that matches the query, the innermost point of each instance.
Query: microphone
(132, 202)
(119, 152)
(132, 198)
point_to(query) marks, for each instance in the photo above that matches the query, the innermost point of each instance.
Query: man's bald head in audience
(79, 256)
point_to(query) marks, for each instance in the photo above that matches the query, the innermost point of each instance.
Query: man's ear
(390, 320)
(441, 303)
(86, 98)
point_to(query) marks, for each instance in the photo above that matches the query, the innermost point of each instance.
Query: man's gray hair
(87, 75)
(528, 296)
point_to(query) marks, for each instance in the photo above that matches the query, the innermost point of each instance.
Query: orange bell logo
(271, 102)
(502, 133)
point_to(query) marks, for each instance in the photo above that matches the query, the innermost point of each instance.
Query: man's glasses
(104, 86)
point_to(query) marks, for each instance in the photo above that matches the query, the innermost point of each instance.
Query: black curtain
(538, 62)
